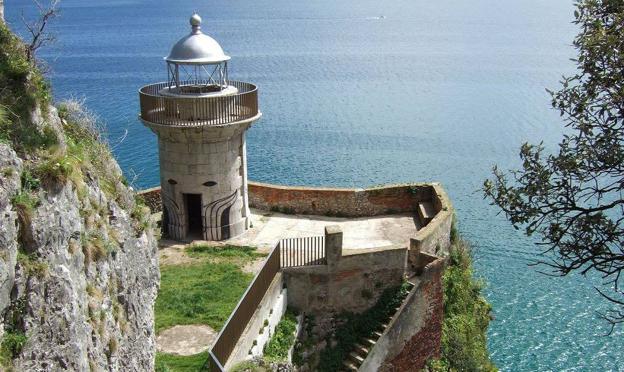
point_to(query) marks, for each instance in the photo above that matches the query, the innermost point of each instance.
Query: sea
(363, 93)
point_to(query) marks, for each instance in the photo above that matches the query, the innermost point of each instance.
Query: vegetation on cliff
(77, 255)
(466, 316)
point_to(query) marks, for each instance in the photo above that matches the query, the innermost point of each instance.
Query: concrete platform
(358, 233)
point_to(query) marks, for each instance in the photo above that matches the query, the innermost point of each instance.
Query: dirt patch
(253, 267)
(185, 339)
(174, 255)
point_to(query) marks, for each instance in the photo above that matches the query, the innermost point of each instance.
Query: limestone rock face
(78, 277)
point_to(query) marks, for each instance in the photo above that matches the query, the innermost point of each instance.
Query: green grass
(204, 292)
(233, 252)
(11, 345)
(177, 363)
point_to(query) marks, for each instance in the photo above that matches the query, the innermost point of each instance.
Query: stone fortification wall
(435, 237)
(339, 202)
(414, 334)
(352, 282)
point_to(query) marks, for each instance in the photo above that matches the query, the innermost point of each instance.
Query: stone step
(368, 341)
(361, 349)
(355, 357)
(349, 366)
(426, 212)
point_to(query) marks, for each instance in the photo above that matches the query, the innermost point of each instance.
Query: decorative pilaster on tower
(200, 118)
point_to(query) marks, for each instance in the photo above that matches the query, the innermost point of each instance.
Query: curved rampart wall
(434, 238)
(339, 202)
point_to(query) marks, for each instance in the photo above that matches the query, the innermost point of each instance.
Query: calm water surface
(431, 91)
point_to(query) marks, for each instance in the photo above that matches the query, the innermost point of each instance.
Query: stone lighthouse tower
(200, 118)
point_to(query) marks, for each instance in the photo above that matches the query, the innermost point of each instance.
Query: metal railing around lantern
(191, 111)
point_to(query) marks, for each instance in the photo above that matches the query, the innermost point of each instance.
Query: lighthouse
(200, 117)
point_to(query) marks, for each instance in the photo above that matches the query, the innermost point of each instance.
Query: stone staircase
(365, 346)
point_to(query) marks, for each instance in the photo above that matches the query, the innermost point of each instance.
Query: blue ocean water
(364, 93)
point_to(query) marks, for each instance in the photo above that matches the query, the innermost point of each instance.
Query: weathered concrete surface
(359, 233)
(186, 339)
(269, 227)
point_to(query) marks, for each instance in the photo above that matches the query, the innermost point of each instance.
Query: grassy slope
(204, 292)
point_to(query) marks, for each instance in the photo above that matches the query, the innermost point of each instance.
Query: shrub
(29, 181)
(25, 203)
(141, 215)
(466, 317)
(24, 89)
(56, 169)
(12, 344)
(282, 341)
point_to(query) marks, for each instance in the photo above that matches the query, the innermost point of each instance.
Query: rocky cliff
(78, 258)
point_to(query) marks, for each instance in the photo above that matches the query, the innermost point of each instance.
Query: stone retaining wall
(414, 334)
(351, 282)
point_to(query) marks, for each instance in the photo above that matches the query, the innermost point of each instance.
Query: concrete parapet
(333, 245)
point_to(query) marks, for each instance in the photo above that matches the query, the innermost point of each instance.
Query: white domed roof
(196, 48)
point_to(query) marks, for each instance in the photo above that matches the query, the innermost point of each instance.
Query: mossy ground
(203, 292)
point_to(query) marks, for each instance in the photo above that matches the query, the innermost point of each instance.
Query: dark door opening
(193, 213)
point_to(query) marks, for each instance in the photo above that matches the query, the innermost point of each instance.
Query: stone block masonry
(203, 180)
(340, 202)
(414, 334)
(350, 282)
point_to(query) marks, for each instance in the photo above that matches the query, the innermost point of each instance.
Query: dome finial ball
(195, 20)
